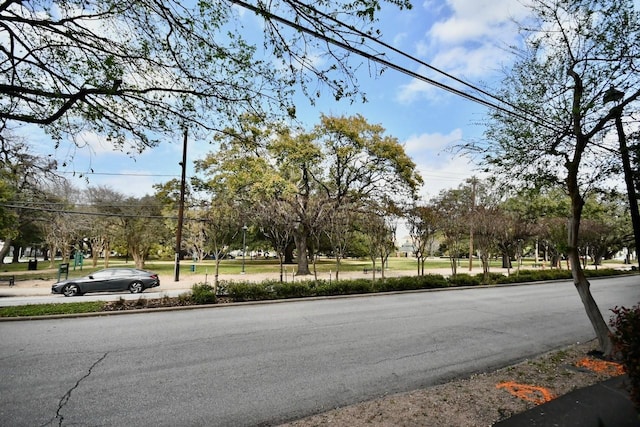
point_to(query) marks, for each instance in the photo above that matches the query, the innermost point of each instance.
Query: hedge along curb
(282, 300)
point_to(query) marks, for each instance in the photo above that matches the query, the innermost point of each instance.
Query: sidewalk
(606, 404)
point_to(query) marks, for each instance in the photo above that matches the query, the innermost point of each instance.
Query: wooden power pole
(181, 209)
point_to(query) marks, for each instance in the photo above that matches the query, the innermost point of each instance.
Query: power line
(421, 62)
(116, 174)
(527, 116)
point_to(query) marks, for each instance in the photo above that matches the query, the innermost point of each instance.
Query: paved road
(264, 364)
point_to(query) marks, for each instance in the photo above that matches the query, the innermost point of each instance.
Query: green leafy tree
(451, 207)
(221, 224)
(274, 220)
(142, 227)
(573, 53)
(123, 69)
(25, 179)
(105, 204)
(343, 162)
(423, 226)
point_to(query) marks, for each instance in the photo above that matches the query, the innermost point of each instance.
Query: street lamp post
(614, 95)
(244, 244)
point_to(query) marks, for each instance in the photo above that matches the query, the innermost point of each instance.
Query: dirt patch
(480, 400)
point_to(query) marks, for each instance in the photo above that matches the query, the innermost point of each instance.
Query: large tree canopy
(345, 161)
(128, 69)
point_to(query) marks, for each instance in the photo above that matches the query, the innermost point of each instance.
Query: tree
(379, 238)
(423, 226)
(577, 50)
(451, 210)
(126, 70)
(24, 177)
(339, 231)
(142, 227)
(63, 230)
(275, 219)
(488, 226)
(345, 162)
(106, 203)
(221, 224)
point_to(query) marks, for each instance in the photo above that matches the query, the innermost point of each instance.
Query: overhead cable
(265, 13)
(421, 62)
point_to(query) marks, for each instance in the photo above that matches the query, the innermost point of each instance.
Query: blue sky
(466, 38)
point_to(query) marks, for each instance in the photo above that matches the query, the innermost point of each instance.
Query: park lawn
(235, 266)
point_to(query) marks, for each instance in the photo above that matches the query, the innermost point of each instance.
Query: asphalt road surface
(266, 364)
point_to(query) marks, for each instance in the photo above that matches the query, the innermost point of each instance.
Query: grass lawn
(234, 266)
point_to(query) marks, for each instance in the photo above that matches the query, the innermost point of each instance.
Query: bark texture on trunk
(584, 289)
(300, 238)
(593, 312)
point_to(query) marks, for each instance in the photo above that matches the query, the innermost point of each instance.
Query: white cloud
(98, 144)
(440, 169)
(399, 38)
(468, 63)
(416, 145)
(448, 173)
(471, 20)
(467, 41)
(415, 89)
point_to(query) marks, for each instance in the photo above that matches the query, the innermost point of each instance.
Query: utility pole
(628, 178)
(473, 208)
(615, 95)
(176, 276)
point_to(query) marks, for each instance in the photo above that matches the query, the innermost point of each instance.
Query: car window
(102, 274)
(123, 272)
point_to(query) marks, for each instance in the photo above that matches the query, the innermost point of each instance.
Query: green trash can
(193, 268)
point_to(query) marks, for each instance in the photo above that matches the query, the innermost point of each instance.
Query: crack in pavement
(65, 399)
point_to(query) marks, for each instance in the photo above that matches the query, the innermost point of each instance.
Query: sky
(466, 38)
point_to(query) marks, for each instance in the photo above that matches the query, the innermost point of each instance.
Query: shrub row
(248, 291)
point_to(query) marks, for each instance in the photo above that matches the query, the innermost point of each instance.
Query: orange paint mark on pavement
(530, 393)
(594, 365)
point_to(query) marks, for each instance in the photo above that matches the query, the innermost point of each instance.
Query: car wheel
(71, 291)
(136, 287)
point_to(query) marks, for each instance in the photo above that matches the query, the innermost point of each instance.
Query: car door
(120, 280)
(99, 281)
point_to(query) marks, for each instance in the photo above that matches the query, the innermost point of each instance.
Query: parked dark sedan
(108, 280)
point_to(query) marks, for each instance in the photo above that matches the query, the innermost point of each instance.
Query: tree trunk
(506, 260)
(6, 247)
(138, 258)
(52, 261)
(580, 281)
(16, 253)
(217, 272)
(593, 312)
(300, 238)
(454, 267)
(281, 261)
(288, 253)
